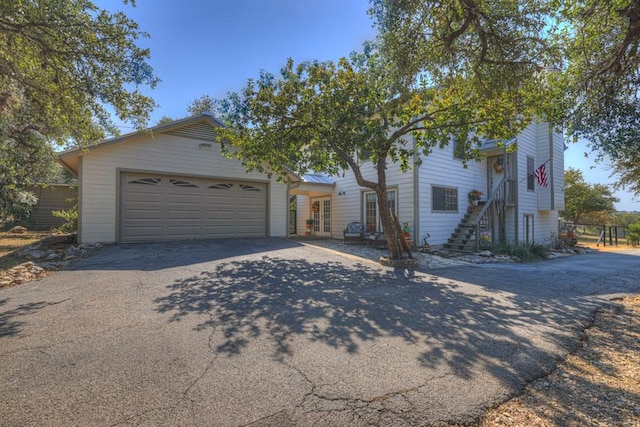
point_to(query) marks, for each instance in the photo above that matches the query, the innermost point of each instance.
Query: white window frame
(453, 197)
(372, 196)
(531, 182)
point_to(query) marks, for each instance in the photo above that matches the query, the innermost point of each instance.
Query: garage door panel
(248, 231)
(158, 207)
(189, 216)
(254, 217)
(182, 231)
(218, 230)
(139, 232)
(215, 218)
(143, 197)
(142, 214)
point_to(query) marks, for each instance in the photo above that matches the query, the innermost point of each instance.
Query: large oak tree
(65, 67)
(353, 114)
(591, 48)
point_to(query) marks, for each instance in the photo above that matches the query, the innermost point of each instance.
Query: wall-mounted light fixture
(341, 193)
(205, 146)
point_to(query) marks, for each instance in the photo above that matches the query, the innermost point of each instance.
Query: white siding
(303, 213)
(348, 196)
(442, 169)
(558, 170)
(534, 142)
(162, 154)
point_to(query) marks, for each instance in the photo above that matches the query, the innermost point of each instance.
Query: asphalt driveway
(272, 332)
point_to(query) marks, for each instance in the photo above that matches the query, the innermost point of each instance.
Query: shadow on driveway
(456, 323)
(151, 256)
(10, 323)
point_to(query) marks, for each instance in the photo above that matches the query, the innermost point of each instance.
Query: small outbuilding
(172, 182)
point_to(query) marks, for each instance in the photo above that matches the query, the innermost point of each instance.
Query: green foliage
(602, 55)
(164, 120)
(322, 117)
(526, 252)
(63, 65)
(204, 104)
(15, 206)
(70, 217)
(627, 168)
(633, 234)
(573, 62)
(25, 160)
(499, 46)
(586, 201)
(625, 218)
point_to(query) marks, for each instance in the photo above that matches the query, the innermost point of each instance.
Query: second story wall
(442, 172)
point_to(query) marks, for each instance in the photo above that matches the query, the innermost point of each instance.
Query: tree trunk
(393, 246)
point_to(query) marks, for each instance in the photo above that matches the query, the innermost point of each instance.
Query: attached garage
(165, 207)
(172, 183)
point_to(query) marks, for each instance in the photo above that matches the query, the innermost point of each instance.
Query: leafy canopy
(324, 116)
(587, 51)
(584, 201)
(353, 115)
(64, 63)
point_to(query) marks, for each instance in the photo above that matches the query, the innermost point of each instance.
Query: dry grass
(590, 241)
(599, 385)
(10, 243)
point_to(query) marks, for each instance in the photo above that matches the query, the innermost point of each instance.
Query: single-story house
(172, 182)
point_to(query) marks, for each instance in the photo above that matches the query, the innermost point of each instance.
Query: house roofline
(149, 131)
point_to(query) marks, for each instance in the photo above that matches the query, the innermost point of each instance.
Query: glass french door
(321, 215)
(372, 213)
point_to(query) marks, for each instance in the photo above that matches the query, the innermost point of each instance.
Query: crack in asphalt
(360, 409)
(172, 409)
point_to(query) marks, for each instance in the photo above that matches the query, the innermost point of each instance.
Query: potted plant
(474, 196)
(307, 231)
(406, 233)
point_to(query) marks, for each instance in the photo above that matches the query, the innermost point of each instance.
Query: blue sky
(209, 47)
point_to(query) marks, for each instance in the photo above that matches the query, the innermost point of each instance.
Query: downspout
(552, 192)
(503, 226)
(290, 186)
(416, 197)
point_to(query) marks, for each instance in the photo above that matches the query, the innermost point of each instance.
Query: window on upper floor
(530, 177)
(444, 199)
(458, 149)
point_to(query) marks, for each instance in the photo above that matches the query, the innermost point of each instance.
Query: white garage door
(162, 207)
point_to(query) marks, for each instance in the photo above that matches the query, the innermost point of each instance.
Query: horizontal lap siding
(162, 154)
(347, 207)
(442, 169)
(51, 198)
(534, 142)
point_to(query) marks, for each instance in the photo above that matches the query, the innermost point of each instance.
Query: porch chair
(353, 232)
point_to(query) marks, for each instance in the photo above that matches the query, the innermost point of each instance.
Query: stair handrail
(490, 200)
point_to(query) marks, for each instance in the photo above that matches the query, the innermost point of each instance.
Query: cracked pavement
(269, 332)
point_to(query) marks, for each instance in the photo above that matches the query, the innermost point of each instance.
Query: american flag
(541, 176)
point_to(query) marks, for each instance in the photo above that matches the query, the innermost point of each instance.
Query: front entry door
(321, 214)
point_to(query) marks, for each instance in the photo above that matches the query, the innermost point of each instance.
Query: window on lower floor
(444, 199)
(372, 213)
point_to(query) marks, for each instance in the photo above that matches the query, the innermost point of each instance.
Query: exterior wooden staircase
(463, 237)
(487, 216)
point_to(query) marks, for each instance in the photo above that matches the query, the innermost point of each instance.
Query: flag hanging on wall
(541, 176)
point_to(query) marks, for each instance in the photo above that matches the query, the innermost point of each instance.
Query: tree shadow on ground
(455, 323)
(153, 256)
(10, 323)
